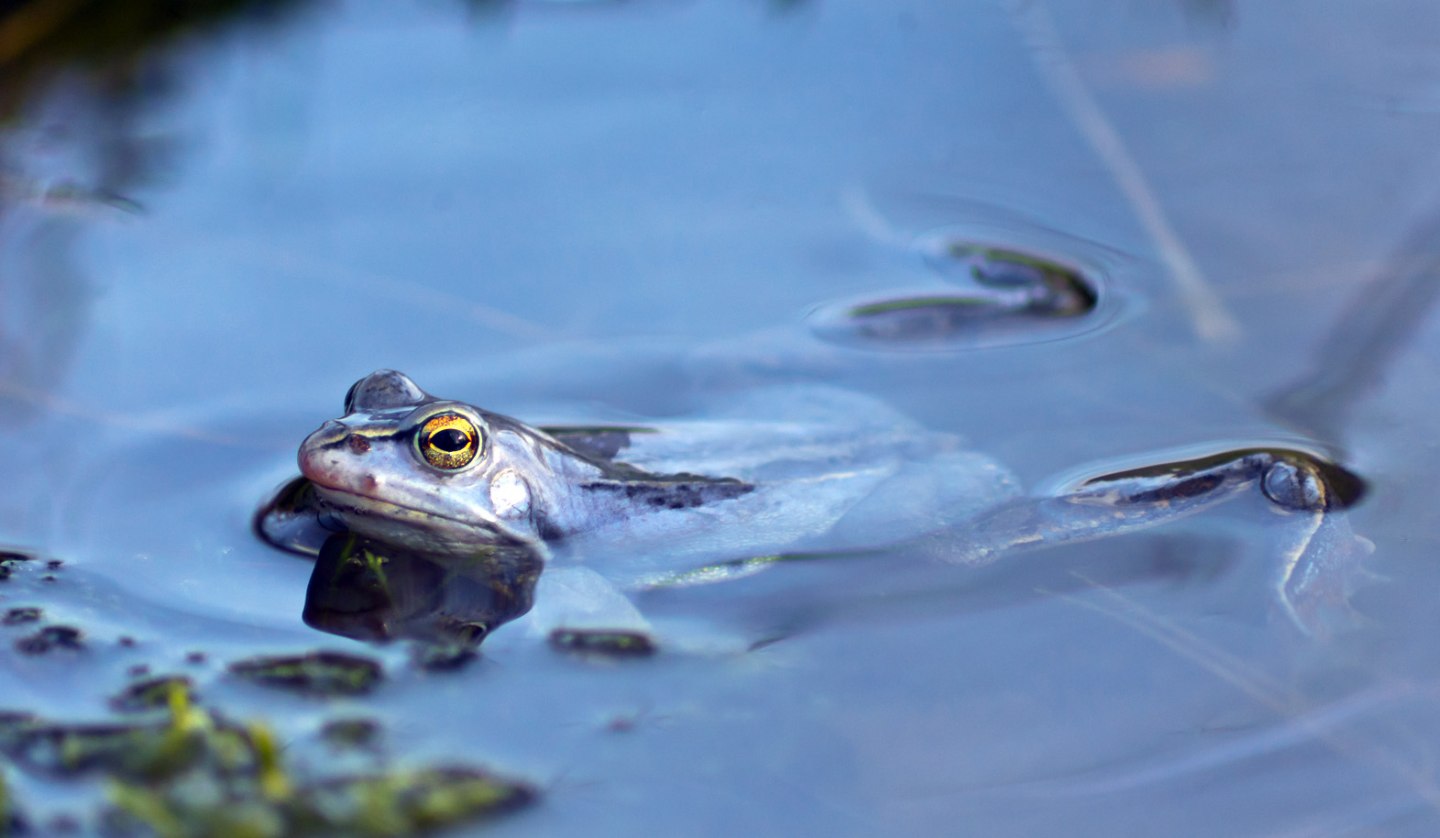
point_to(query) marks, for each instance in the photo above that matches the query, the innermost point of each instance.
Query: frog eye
(448, 441)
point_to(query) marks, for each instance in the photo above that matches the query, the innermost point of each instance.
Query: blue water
(623, 209)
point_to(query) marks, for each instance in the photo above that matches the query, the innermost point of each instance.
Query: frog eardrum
(448, 441)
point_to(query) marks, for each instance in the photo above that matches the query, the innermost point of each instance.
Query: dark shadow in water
(371, 591)
(107, 42)
(915, 580)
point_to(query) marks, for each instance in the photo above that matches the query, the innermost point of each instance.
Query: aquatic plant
(186, 771)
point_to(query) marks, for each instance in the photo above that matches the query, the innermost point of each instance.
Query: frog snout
(324, 451)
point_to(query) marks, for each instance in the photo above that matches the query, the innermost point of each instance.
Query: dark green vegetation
(180, 770)
(169, 767)
(10, 561)
(603, 644)
(21, 616)
(42, 38)
(51, 638)
(615, 212)
(152, 693)
(318, 673)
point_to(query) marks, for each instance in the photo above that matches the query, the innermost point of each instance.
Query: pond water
(621, 212)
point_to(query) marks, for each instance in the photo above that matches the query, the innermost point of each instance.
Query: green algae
(151, 693)
(318, 673)
(11, 561)
(21, 615)
(603, 643)
(192, 772)
(351, 734)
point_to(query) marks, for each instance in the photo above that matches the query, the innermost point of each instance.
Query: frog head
(440, 476)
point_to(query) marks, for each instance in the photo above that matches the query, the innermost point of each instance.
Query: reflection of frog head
(419, 472)
(372, 591)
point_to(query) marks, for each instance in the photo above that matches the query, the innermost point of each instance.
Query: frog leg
(578, 598)
(1109, 505)
(1321, 561)
(1317, 564)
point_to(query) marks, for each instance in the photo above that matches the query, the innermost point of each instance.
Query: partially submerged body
(808, 470)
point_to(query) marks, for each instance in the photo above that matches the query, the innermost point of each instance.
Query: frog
(770, 478)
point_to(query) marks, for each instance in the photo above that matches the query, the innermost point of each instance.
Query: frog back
(829, 470)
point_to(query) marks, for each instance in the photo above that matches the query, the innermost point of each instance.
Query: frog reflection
(372, 591)
(805, 470)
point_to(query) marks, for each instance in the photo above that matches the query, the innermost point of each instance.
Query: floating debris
(318, 673)
(21, 616)
(51, 638)
(1041, 286)
(396, 803)
(343, 734)
(10, 561)
(603, 643)
(147, 751)
(1005, 296)
(152, 693)
(404, 802)
(197, 774)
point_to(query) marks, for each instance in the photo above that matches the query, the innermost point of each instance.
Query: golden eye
(448, 441)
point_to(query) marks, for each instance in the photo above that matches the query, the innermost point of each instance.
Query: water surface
(622, 211)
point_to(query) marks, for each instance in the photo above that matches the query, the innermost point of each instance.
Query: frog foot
(1322, 558)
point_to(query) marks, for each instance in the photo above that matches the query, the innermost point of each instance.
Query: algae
(192, 772)
(603, 643)
(318, 673)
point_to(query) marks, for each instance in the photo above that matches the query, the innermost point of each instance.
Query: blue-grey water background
(620, 209)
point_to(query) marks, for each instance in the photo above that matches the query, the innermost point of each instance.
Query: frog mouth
(380, 518)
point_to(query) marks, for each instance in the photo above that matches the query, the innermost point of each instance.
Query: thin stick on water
(1383, 319)
(1208, 314)
(1258, 686)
